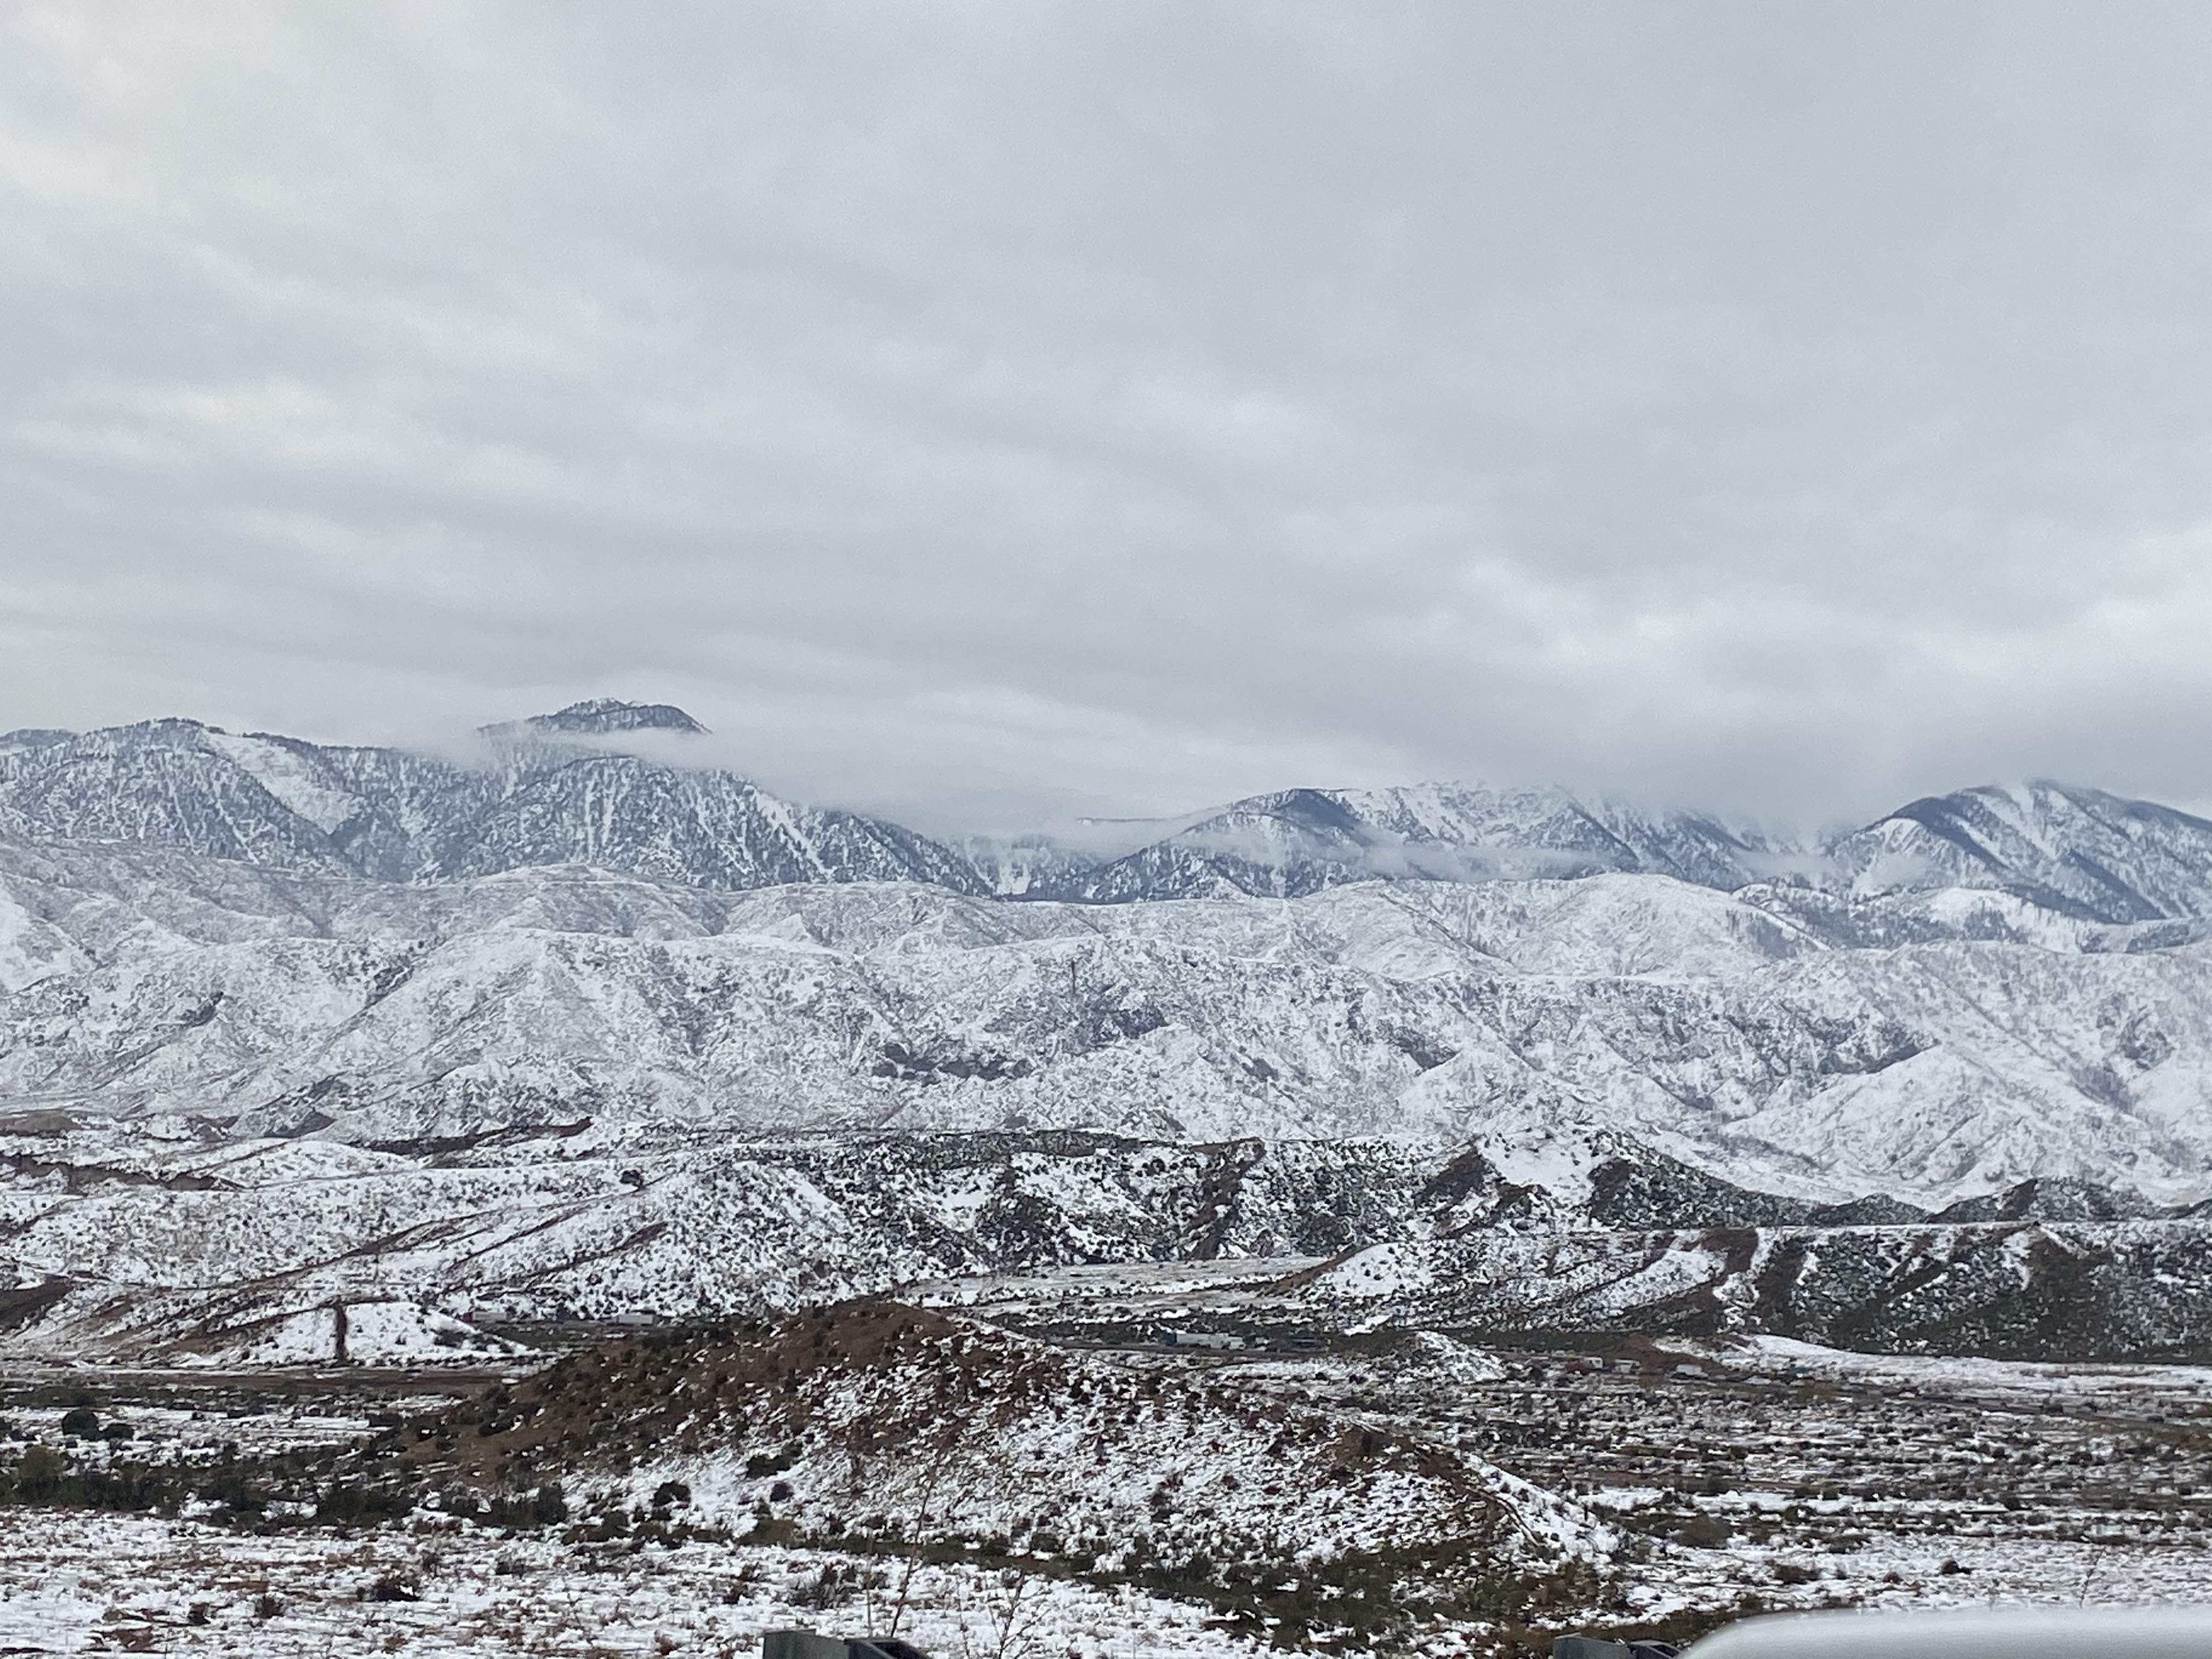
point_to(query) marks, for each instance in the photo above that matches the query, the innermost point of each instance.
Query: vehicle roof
(2052, 1633)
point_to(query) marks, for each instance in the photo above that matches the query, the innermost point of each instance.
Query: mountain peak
(32, 737)
(601, 716)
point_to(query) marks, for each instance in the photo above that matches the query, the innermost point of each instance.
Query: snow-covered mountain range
(559, 789)
(216, 947)
(540, 791)
(1786, 1038)
(2072, 851)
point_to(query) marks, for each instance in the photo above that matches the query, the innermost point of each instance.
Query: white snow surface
(74, 1583)
(1740, 1031)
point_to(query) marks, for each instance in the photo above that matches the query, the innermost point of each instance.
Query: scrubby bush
(356, 1505)
(40, 1476)
(526, 1512)
(227, 1486)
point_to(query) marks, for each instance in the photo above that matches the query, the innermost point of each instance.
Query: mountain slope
(1740, 1031)
(556, 789)
(153, 1246)
(1302, 841)
(2070, 850)
(2026, 1290)
(540, 796)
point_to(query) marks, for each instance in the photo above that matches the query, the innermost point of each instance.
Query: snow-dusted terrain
(544, 791)
(1756, 1033)
(560, 1028)
(2077, 852)
(877, 1468)
(562, 787)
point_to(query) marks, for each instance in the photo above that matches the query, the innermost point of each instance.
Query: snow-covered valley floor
(71, 1582)
(1728, 1479)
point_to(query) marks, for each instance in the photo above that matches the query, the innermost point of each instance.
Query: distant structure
(1222, 1339)
(806, 1644)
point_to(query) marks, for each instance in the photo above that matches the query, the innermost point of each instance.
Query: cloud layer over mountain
(972, 411)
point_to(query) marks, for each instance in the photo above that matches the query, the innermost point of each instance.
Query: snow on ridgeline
(560, 788)
(1780, 1039)
(555, 789)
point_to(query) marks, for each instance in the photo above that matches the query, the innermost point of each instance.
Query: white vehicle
(2055, 1633)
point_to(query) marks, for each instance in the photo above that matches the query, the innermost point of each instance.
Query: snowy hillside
(542, 792)
(617, 1003)
(1301, 840)
(558, 788)
(2080, 852)
(1753, 1033)
(894, 1426)
(143, 1243)
(2076, 852)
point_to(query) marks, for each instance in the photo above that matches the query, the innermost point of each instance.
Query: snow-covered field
(2144, 1388)
(1667, 1481)
(72, 1582)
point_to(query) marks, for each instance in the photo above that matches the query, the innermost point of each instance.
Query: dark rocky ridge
(600, 717)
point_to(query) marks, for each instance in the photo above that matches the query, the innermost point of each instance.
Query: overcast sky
(987, 412)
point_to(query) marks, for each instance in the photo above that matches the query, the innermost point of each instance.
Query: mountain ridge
(1787, 1041)
(559, 789)
(286, 939)
(395, 815)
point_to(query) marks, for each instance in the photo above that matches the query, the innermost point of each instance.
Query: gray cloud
(988, 412)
